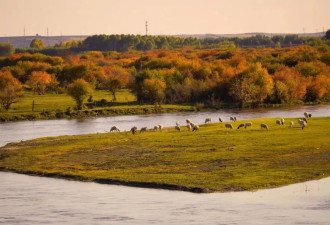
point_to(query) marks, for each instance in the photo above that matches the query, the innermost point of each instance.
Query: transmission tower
(146, 28)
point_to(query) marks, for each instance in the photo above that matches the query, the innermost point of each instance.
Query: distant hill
(202, 36)
(24, 41)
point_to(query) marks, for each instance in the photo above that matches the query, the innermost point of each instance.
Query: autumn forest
(212, 76)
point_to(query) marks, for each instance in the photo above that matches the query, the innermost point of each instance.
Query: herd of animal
(194, 127)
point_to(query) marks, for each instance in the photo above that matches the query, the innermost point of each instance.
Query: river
(24, 130)
(40, 200)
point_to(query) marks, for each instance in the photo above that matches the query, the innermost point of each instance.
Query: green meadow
(58, 106)
(208, 160)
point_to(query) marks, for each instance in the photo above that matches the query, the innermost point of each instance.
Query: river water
(39, 200)
(24, 130)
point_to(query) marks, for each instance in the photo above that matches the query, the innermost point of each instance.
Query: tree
(153, 90)
(37, 43)
(289, 85)
(117, 78)
(327, 34)
(254, 84)
(38, 81)
(6, 49)
(79, 90)
(10, 89)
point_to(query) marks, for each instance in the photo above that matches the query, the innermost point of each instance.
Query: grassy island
(211, 159)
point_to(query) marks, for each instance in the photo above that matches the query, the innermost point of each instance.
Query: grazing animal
(155, 128)
(263, 125)
(178, 128)
(188, 121)
(306, 114)
(195, 128)
(160, 127)
(144, 129)
(177, 123)
(220, 120)
(278, 122)
(302, 123)
(282, 121)
(247, 124)
(228, 125)
(241, 125)
(134, 130)
(192, 125)
(304, 119)
(291, 124)
(233, 118)
(189, 127)
(309, 115)
(208, 120)
(114, 129)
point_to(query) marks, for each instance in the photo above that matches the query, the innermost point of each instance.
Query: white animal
(178, 128)
(177, 123)
(144, 129)
(160, 127)
(134, 130)
(263, 125)
(228, 125)
(306, 114)
(291, 124)
(208, 120)
(278, 122)
(220, 120)
(282, 121)
(195, 128)
(189, 127)
(114, 129)
(233, 118)
(188, 121)
(248, 124)
(304, 119)
(302, 123)
(241, 125)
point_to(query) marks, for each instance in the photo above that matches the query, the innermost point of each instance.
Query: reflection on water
(36, 200)
(24, 130)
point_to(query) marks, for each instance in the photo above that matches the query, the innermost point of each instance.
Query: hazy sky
(86, 17)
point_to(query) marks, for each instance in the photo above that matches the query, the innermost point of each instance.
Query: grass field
(55, 106)
(53, 102)
(211, 159)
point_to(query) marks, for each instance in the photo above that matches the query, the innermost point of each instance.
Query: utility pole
(146, 28)
(47, 32)
(24, 31)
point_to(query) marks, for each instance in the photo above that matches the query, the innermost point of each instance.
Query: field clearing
(211, 159)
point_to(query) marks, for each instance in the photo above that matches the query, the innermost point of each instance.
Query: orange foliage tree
(289, 85)
(38, 81)
(254, 84)
(117, 78)
(10, 89)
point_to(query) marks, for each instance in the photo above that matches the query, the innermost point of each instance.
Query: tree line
(123, 43)
(186, 75)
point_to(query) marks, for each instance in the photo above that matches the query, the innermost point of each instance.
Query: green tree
(79, 91)
(10, 89)
(327, 34)
(6, 49)
(37, 43)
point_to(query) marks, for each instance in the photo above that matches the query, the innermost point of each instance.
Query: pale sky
(87, 17)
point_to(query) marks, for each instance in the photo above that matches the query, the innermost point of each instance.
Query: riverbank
(211, 159)
(61, 106)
